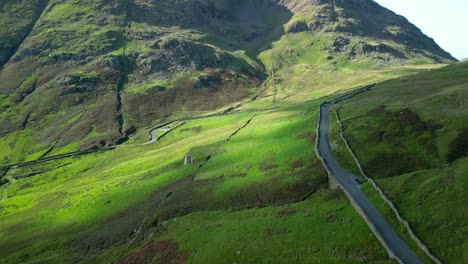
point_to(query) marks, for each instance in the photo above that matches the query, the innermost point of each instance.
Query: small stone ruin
(188, 160)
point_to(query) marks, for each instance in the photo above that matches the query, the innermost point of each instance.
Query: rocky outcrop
(78, 84)
(340, 44)
(110, 63)
(363, 48)
(297, 26)
(206, 81)
(176, 54)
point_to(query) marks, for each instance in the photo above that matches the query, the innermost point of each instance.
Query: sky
(446, 21)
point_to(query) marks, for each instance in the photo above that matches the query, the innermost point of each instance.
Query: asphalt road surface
(347, 181)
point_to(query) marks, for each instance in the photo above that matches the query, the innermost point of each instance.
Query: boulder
(339, 44)
(297, 26)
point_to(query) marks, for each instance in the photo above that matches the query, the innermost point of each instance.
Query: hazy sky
(446, 21)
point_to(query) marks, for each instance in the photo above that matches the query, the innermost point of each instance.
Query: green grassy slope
(409, 134)
(294, 233)
(93, 206)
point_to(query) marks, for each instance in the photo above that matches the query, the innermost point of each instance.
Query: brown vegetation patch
(237, 175)
(164, 251)
(297, 164)
(267, 165)
(197, 129)
(194, 129)
(408, 118)
(25, 186)
(360, 253)
(275, 231)
(334, 194)
(101, 119)
(331, 219)
(377, 136)
(388, 164)
(378, 111)
(410, 141)
(315, 172)
(309, 136)
(302, 187)
(285, 213)
(140, 107)
(13, 74)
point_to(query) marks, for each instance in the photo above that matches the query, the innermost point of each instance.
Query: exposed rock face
(367, 18)
(111, 63)
(78, 84)
(297, 26)
(340, 44)
(365, 49)
(173, 53)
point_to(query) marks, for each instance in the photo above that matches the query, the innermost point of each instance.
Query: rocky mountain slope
(81, 74)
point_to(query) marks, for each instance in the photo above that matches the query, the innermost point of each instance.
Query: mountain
(230, 92)
(107, 69)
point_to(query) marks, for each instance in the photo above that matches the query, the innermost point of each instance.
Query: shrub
(459, 146)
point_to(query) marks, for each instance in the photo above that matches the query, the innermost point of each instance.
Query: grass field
(433, 201)
(94, 204)
(294, 233)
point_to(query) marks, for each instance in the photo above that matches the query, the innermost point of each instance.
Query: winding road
(396, 247)
(152, 134)
(153, 138)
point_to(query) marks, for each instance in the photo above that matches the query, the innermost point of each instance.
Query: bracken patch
(267, 165)
(309, 136)
(164, 251)
(297, 164)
